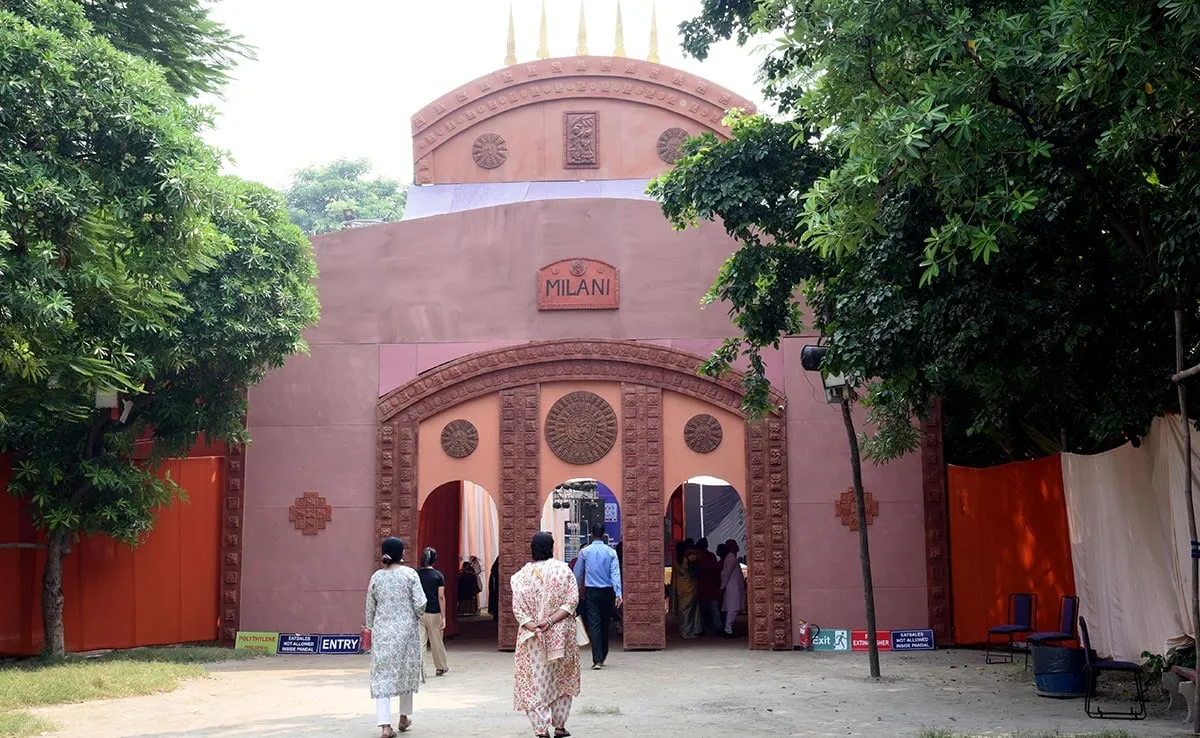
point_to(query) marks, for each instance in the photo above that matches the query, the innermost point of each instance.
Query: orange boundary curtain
(164, 591)
(1008, 533)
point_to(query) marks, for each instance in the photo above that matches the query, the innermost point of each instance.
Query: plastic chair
(1022, 618)
(1068, 611)
(1095, 667)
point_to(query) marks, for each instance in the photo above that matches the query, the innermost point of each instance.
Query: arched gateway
(655, 388)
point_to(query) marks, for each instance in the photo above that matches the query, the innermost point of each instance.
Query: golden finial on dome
(620, 50)
(511, 58)
(653, 57)
(581, 49)
(543, 36)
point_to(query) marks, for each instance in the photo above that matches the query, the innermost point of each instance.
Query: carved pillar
(937, 526)
(231, 543)
(520, 511)
(642, 518)
(769, 588)
(396, 486)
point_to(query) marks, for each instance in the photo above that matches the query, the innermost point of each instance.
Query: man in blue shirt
(599, 571)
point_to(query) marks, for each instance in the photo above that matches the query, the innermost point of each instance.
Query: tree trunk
(1187, 484)
(52, 595)
(864, 547)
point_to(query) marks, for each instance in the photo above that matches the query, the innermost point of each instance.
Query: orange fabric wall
(1008, 533)
(164, 591)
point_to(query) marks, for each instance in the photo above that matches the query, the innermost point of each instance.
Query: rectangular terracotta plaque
(581, 140)
(578, 284)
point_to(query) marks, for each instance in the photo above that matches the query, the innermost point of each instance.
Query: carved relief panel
(581, 144)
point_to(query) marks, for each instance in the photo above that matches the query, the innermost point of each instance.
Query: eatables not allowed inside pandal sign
(299, 644)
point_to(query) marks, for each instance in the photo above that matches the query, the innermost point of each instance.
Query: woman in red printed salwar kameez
(544, 597)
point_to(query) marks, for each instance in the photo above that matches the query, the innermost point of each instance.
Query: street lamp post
(837, 390)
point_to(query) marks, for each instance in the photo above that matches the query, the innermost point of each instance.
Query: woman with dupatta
(544, 597)
(684, 585)
(395, 604)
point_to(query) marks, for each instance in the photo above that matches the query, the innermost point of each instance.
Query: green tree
(128, 264)
(322, 198)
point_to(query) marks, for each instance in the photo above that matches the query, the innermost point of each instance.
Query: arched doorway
(460, 521)
(706, 513)
(655, 407)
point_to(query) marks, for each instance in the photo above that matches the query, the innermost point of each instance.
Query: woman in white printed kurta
(395, 604)
(544, 597)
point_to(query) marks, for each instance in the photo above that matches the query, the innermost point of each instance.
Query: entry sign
(294, 643)
(859, 642)
(912, 640)
(341, 644)
(832, 640)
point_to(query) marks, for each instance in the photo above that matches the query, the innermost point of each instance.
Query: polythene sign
(859, 642)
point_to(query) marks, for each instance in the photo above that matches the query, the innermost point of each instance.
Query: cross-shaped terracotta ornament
(845, 509)
(310, 513)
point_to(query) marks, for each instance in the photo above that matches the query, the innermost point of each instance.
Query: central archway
(643, 372)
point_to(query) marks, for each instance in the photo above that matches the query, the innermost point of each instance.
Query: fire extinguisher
(808, 635)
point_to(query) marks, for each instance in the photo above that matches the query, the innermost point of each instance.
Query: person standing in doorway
(433, 622)
(708, 585)
(600, 573)
(733, 586)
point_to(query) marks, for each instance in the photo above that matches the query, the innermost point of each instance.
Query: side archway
(644, 372)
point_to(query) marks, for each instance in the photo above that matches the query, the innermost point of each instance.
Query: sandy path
(705, 690)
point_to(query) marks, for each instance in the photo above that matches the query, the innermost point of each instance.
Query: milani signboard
(578, 284)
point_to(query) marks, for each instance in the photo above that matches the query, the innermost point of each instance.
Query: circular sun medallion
(581, 428)
(670, 144)
(578, 268)
(703, 433)
(490, 150)
(460, 439)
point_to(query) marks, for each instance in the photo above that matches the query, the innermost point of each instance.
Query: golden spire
(511, 57)
(620, 50)
(581, 49)
(653, 57)
(543, 37)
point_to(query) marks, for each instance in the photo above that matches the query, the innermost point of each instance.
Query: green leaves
(322, 199)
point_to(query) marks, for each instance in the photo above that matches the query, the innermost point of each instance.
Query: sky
(342, 79)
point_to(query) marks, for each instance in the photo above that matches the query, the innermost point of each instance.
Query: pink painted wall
(402, 298)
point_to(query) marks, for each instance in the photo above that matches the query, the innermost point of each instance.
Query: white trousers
(383, 708)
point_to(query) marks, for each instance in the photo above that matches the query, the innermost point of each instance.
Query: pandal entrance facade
(535, 319)
(598, 406)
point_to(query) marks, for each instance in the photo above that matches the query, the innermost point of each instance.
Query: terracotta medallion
(490, 150)
(670, 144)
(703, 433)
(581, 428)
(460, 438)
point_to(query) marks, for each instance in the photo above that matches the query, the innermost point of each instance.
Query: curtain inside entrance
(480, 533)
(438, 526)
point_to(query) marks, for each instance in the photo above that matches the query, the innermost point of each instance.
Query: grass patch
(41, 682)
(19, 724)
(599, 710)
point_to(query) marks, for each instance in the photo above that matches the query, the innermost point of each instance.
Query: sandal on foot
(405, 724)
(389, 733)
(562, 733)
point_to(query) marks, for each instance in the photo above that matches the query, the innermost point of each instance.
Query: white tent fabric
(480, 532)
(1130, 543)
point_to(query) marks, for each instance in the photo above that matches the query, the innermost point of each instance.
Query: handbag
(581, 636)
(364, 643)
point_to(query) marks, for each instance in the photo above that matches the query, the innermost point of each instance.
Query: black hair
(680, 550)
(393, 551)
(542, 546)
(702, 544)
(598, 531)
(722, 549)
(429, 556)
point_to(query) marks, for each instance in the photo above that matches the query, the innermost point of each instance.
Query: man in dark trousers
(599, 571)
(708, 587)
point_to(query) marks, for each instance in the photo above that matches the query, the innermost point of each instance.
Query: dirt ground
(698, 690)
